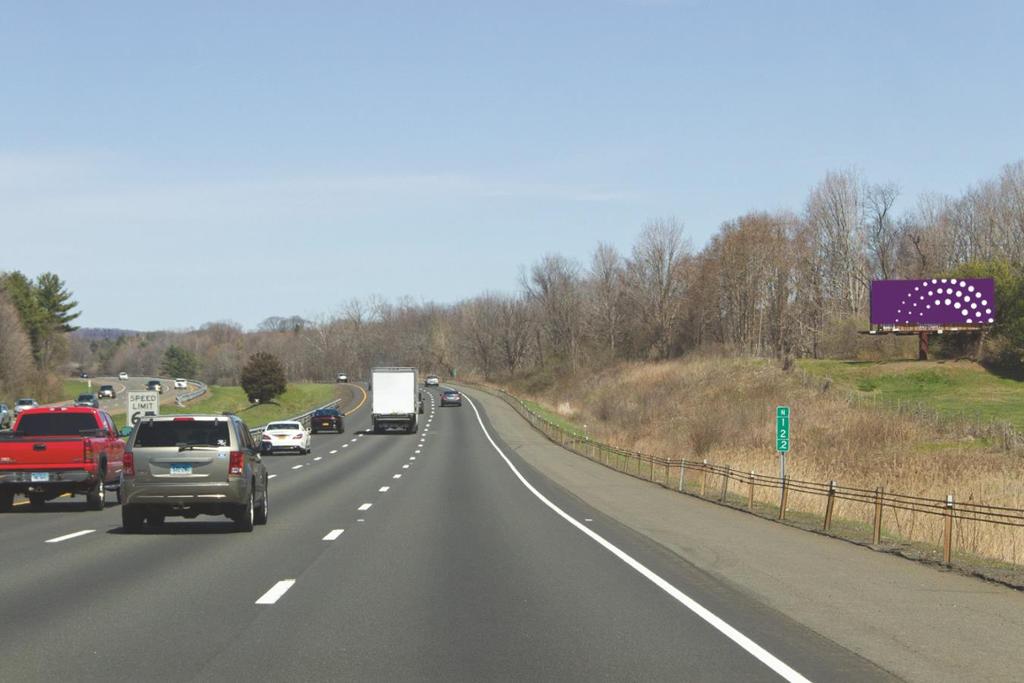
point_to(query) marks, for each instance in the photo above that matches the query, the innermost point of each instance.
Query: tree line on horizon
(778, 284)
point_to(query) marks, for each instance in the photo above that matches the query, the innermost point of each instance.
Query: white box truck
(395, 398)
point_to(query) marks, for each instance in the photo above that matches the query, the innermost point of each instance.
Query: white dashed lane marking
(384, 489)
(334, 451)
(397, 476)
(271, 476)
(318, 458)
(365, 506)
(275, 593)
(333, 536)
(405, 467)
(70, 536)
(295, 467)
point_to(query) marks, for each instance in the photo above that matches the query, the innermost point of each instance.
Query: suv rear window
(56, 424)
(166, 433)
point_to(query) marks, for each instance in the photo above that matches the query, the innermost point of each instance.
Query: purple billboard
(945, 301)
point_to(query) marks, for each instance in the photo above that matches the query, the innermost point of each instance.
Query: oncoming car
(181, 383)
(106, 391)
(286, 436)
(122, 375)
(451, 397)
(431, 381)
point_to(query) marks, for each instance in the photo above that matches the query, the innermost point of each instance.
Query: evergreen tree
(179, 362)
(263, 378)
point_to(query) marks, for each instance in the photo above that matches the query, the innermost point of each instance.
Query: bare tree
(656, 284)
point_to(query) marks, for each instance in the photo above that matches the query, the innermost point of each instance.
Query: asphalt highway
(434, 556)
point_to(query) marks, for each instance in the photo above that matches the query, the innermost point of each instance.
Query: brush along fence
(875, 516)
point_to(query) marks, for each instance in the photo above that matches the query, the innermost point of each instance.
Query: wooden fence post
(750, 494)
(725, 483)
(876, 536)
(830, 504)
(947, 533)
(704, 481)
(785, 498)
(652, 469)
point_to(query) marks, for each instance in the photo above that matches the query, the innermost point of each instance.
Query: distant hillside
(100, 333)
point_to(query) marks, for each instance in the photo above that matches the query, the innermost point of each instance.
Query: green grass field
(74, 387)
(555, 418)
(956, 389)
(298, 399)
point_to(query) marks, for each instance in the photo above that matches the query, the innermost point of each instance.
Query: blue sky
(183, 162)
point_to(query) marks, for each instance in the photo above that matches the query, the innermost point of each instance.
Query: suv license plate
(40, 476)
(181, 469)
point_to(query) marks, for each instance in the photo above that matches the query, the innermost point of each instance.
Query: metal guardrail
(201, 389)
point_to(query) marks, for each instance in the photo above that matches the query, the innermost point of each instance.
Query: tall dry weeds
(723, 409)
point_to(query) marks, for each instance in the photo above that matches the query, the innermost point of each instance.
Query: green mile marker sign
(782, 432)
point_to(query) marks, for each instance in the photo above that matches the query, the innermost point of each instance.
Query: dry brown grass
(723, 409)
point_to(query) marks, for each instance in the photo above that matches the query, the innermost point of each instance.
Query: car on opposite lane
(181, 383)
(106, 391)
(191, 465)
(341, 377)
(87, 401)
(155, 385)
(326, 419)
(24, 404)
(286, 435)
(122, 375)
(431, 381)
(450, 397)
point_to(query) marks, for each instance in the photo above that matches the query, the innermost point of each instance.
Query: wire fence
(890, 514)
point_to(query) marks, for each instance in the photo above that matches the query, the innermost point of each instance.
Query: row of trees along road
(35, 319)
(779, 283)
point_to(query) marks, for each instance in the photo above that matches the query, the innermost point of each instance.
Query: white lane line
(275, 593)
(333, 536)
(353, 441)
(344, 445)
(365, 506)
(295, 467)
(333, 452)
(397, 476)
(417, 451)
(271, 476)
(405, 467)
(70, 536)
(319, 457)
(752, 648)
(384, 489)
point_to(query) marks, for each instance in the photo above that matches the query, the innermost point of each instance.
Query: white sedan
(181, 383)
(286, 436)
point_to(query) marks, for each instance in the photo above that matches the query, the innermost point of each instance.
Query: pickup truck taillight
(87, 454)
(128, 463)
(236, 464)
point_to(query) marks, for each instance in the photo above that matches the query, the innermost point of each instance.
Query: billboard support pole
(922, 346)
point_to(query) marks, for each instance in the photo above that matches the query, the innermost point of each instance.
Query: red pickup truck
(52, 451)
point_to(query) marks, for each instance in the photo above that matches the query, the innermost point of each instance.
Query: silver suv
(191, 465)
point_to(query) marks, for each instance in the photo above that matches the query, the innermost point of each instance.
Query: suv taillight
(128, 463)
(236, 464)
(87, 454)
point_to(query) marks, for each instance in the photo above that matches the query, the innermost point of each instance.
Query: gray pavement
(916, 621)
(404, 557)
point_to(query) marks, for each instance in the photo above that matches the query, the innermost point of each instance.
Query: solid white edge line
(333, 535)
(70, 536)
(365, 506)
(275, 593)
(719, 624)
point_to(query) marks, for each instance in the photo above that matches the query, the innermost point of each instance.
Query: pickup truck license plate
(185, 468)
(40, 476)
